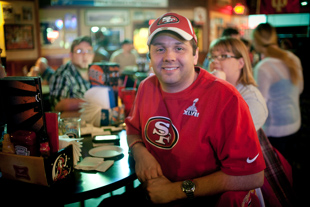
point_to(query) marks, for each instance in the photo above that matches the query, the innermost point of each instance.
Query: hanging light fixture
(239, 8)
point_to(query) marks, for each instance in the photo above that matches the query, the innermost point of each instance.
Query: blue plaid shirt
(47, 74)
(67, 82)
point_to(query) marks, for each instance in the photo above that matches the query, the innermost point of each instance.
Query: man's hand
(146, 165)
(68, 104)
(162, 190)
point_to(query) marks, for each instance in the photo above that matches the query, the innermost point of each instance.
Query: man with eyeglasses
(70, 81)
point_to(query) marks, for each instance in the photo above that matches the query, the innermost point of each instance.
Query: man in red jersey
(191, 135)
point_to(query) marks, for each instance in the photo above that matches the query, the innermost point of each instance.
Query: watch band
(188, 187)
(190, 195)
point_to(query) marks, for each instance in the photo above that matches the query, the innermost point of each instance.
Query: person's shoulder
(50, 70)
(150, 85)
(64, 70)
(289, 53)
(150, 80)
(248, 90)
(294, 57)
(210, 80)
(266, 63)
(134, 52)
(249, 87)
(116, 53)
(214, 85)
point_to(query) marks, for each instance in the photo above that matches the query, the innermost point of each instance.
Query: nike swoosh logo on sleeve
(248, 160)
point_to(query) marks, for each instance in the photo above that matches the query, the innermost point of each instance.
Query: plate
(106, 151)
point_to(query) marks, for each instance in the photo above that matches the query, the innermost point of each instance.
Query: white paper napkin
(89, 163)
(94, 163)
(105, 165)
(90, 129)
(96, 99)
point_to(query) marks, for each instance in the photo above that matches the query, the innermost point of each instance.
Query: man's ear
(196, 56)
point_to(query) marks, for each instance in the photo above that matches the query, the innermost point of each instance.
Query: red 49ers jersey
(202, 129)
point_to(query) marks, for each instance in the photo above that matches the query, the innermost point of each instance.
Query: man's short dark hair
(78, 40)
(229, 32)
(127, 41)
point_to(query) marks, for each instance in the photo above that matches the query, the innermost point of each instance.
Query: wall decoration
(70, 22)
(17, 18)
(18, 36)
(113, 3)
(107, 38)
(27, 13)
(106, 17)
(8, 12)
(200, 15)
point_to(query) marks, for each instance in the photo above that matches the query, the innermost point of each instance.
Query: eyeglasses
(221, 57)
(80, 51)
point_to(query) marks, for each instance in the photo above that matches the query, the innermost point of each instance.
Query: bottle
(8, 146)
(44, 145)
(45, 149)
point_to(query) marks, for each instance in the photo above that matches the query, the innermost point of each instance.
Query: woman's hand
(220, 74)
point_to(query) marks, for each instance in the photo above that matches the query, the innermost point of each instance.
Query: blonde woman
(230, 61)
(280, 80)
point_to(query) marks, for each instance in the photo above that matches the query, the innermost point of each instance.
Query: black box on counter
(106, 73)
(22, 104)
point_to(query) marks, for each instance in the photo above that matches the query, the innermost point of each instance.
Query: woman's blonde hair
(265, 35)
(239, 49)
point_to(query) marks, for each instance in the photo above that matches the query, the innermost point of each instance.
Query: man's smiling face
(173, 61)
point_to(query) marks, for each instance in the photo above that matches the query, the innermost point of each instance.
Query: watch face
(188, 186)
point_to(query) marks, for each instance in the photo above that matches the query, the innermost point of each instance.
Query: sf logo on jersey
(168, 19)
(160, 132)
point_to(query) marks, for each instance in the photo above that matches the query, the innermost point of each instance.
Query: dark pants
(139, 198)
(285, 145)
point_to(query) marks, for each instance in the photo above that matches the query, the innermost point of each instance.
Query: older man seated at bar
(70, 81)
(42, 69)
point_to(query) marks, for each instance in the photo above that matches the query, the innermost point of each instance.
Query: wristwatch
(189, 187)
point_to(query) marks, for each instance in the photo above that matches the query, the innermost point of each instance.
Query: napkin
(104, 130)
(105, 165)
(65, 141)
(96, 99)
(89, 163)
(90, 129)
(94, 163)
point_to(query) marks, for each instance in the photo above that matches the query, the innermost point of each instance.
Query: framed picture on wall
(8, 12)
(18, 36)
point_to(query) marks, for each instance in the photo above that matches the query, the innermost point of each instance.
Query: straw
(135, 84)
(125, 80)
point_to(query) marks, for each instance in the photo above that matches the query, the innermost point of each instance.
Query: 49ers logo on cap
(160, 132)
(168, 19)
